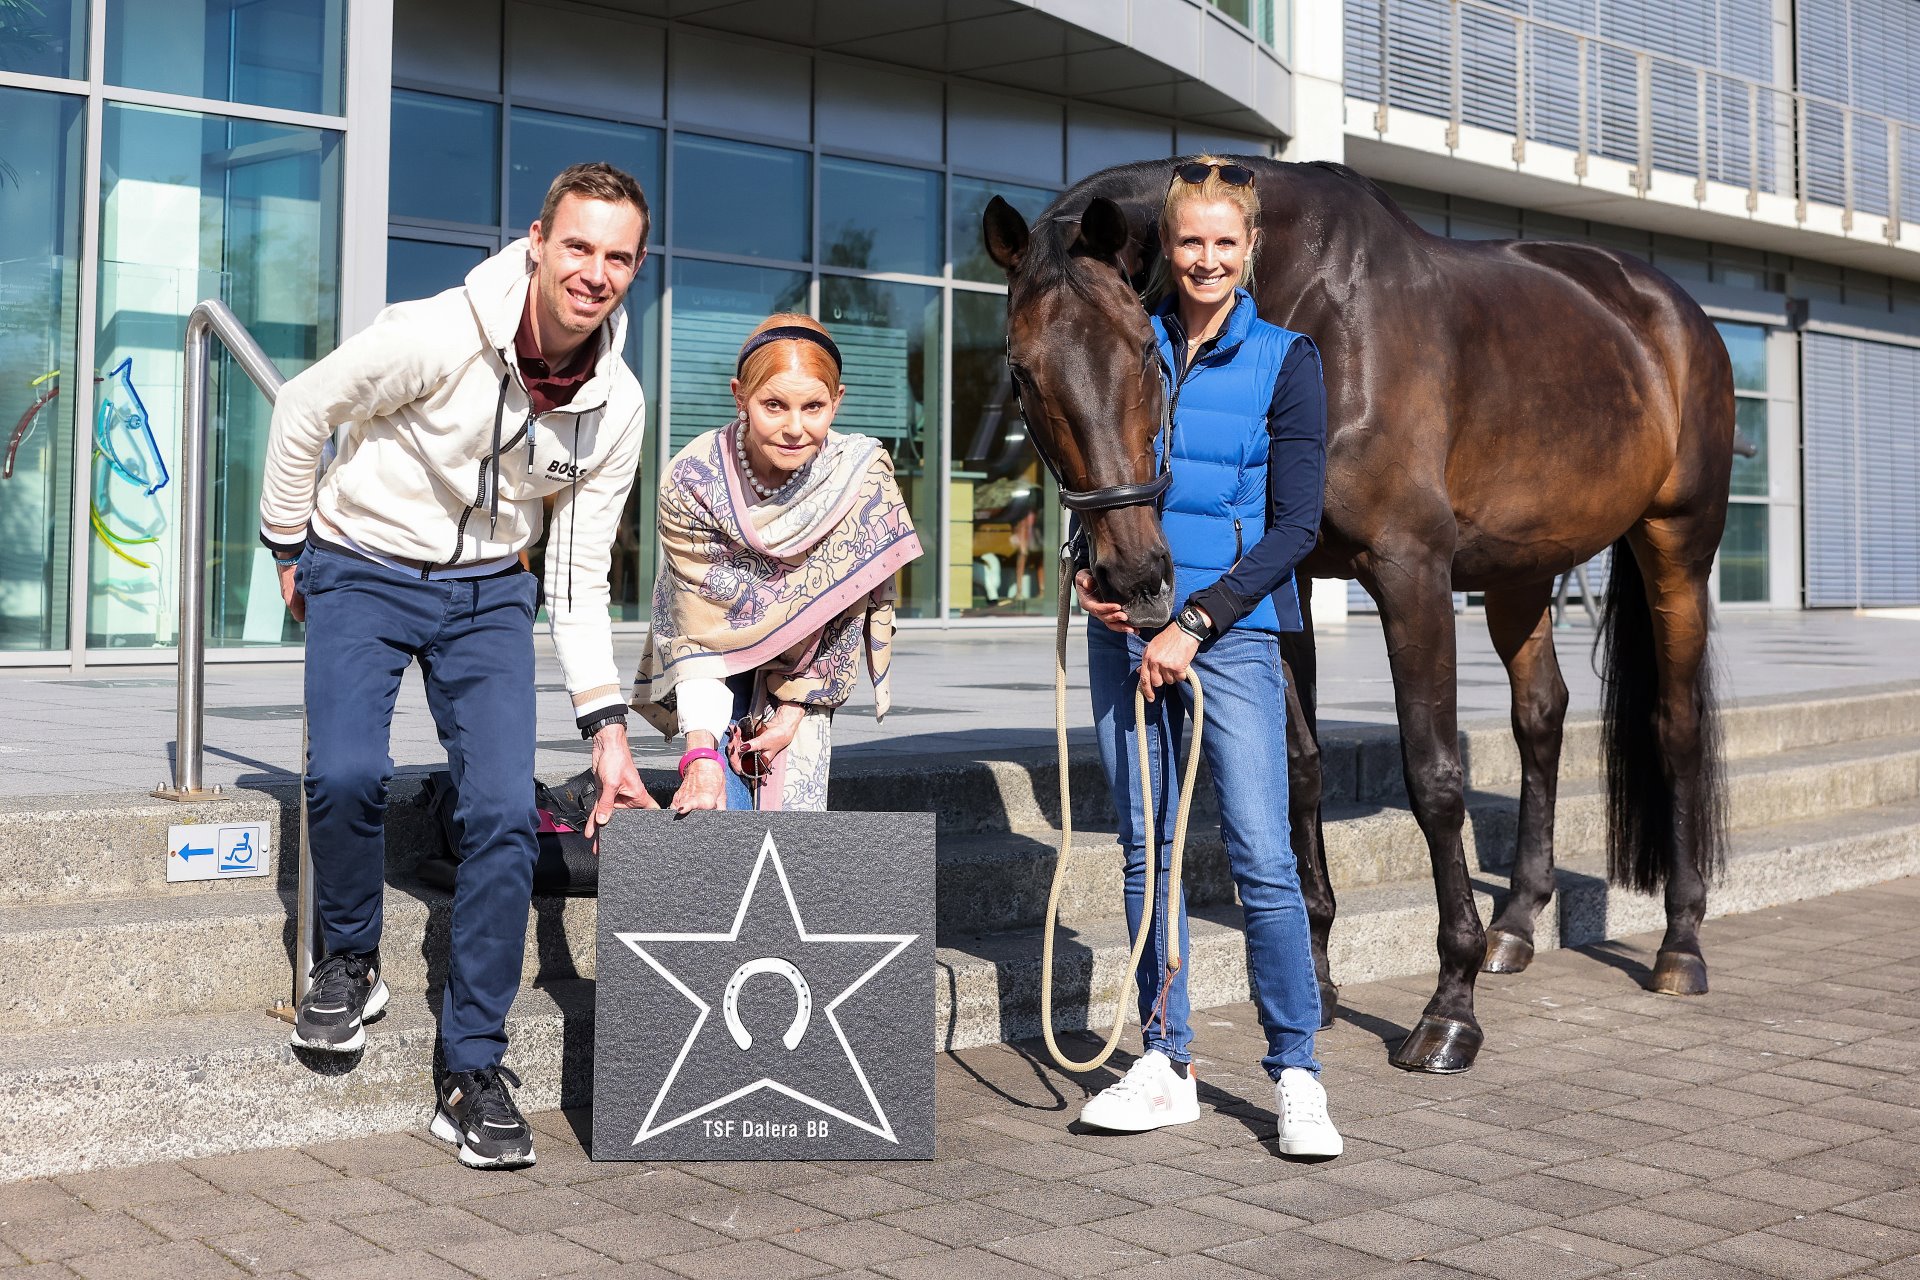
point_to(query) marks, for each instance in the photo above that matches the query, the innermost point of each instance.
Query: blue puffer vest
(1216, 508)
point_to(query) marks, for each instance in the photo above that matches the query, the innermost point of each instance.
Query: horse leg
(1416, 612)
(1305, 785)
(1673, 557)
(1520, 620)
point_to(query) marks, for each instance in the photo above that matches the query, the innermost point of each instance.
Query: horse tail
(1640, 791)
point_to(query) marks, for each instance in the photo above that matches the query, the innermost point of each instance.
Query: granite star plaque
(765, 987)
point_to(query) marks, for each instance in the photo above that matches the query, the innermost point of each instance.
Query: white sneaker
(1152, 1094)
(1305, 1129)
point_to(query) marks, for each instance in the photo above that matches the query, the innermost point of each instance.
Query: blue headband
(782, 333)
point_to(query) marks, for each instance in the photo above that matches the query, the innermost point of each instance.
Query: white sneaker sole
(1315, 1146)
(448, 1132)
(1180, 1115)
(376, 1005)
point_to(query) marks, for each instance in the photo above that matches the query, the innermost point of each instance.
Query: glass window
(543, 143)
(1747, 346)
(715, 306)
(889, 336)
(740, 199)
(272, 53)
(967, 204)
(1743, 554)
(1001, 512)
(1750, 427)
(44, 38)
(422, 268)
(445, 162)
(40, 140)
(195, 206)
(878, 217)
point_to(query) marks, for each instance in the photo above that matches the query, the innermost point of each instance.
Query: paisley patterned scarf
(794, 588)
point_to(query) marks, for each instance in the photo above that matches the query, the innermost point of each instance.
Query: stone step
(113, 845)
(152, 1088)
(999, 880)
(104, 960)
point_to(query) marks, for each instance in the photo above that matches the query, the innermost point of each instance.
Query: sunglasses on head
(1234, 175)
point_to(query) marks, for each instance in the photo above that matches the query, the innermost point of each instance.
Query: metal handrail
(208, 320)
(1793, 157)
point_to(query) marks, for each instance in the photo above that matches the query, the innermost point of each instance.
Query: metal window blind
(1862, 473)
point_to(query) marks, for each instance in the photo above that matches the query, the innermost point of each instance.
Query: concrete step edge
(200, 1085)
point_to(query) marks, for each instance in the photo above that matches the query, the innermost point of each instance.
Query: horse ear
(1005, 232)
(1103, 230)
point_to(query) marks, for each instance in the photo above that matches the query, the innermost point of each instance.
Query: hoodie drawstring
(493, 499)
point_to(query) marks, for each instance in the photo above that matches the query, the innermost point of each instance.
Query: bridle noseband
(1109, 497)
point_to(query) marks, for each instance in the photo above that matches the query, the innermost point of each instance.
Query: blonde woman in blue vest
(1249, 462)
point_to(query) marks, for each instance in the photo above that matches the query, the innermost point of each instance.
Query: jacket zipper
(1236, 541)
(479, 500)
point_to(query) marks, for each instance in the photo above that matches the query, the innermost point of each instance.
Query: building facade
(309, 160)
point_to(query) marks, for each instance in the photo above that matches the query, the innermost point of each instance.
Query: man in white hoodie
(461, 415)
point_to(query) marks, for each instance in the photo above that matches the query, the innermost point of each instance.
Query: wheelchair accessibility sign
(215, 851)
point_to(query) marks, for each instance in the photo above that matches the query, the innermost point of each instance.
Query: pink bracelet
(701, 753)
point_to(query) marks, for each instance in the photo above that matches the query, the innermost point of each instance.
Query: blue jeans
(473, 639)
(1245, 743)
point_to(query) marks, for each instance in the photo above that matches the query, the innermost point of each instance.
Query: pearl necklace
(766, 492)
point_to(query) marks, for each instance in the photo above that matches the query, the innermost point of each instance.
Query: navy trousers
(473, 639)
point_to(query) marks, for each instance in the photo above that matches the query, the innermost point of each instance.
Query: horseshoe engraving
(803, 998)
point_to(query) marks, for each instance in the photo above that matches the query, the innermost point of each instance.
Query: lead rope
(1175, 856)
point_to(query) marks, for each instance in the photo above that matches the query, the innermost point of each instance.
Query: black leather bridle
(1110, 497)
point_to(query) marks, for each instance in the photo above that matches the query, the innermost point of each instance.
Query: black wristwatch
(1194, 623)
(594, 726)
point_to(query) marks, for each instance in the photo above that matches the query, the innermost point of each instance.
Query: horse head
(1087, 369)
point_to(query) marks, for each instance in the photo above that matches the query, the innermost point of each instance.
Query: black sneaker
(346, 992)
(478, 1114)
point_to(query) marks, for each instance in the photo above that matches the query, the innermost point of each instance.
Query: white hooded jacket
(443, 463)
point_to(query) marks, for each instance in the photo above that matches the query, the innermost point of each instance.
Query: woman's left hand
(779, 731)
(1166, 660)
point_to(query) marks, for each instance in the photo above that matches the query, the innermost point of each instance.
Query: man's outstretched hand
(620, 786)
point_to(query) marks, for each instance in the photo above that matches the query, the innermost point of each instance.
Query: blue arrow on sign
(187, 851)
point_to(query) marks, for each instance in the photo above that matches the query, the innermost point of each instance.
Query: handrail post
(1846, 170)
(1380, 112)
(1454, 97)
(1893, 182)
(1753, 147)
(1642, 176)
(1700, 125)
(1580, 154)
(1519, 89)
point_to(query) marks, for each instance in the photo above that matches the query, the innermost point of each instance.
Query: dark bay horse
(1498, 413)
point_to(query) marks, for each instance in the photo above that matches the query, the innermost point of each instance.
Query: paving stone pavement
(1770, 1129)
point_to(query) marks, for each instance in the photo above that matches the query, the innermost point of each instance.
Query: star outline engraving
(769, 854)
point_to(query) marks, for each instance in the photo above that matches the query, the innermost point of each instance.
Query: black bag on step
(567, 866)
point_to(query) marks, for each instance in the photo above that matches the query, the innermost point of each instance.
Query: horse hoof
(1507, 953)
(1678, 973)
(1438, 1046)
(1329, 1004)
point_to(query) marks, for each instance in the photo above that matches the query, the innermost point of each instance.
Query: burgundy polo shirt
(549, 388)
